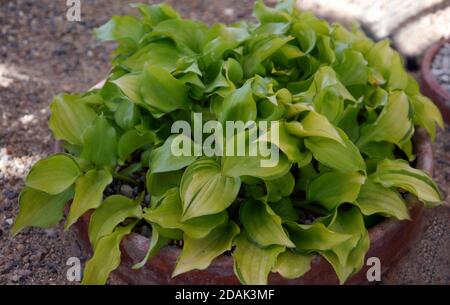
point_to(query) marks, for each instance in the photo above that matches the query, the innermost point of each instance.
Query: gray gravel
(441, 66)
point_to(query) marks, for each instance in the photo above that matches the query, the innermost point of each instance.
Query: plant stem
(125, 178)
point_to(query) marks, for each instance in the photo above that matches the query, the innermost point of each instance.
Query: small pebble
(20, 248)
(228, 11)
(145, 231)
(9, 221)
(126, 190)
(50, 232)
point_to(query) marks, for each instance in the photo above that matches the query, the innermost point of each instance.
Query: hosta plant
(343, 107)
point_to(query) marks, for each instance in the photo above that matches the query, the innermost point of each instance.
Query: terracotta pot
(430, 86)
(390, 240)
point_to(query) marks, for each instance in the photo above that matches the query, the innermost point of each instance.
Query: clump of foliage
(346, 111)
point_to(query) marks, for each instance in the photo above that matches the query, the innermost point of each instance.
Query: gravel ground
(42, 54)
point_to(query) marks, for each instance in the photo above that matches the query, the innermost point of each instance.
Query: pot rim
(426, 64)
(429, 83)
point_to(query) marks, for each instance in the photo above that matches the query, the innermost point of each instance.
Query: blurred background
(42, 54)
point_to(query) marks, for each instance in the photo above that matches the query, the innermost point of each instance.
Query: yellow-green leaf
(315, 237)
(88, 194)
(70, 118)
(54, 174)
(205, 190)
(394, 124)
(398, 173)
(333, 188)
(292, 265)
(262, 225)
(341, 157)
(113, 210)
(199, 253)
(106, 257)
(100, 143)
(252, 264)
(39, 209)
(377, 199)
(168, 214)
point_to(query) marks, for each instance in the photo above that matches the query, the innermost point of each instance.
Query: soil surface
(42, 54)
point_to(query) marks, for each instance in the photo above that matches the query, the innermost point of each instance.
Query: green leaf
(54, 174)
(398, 78)
(239, 105)
(88, 194)
(272, 164)
(106, 257)
(199, 253)
(305, 36)
(162, 92)
(121, 28)
(100, 143)
(315, 237)
(237, 166)
(326, 52)
(260, 48)
(161, 53)
(394, 124)
(262, 225)
(157, 13)
(157, 241)
(127, 115)
(352, 69)
(253, 264)
(292, 265)
(39, 209)
(188, 35)
(426, 114)
(333, 188)
(267, 14)
(314, 125)
(171, 155)
(349, 121)
(344, 158)
(379, 150)
(132, 140)
(398, 173)
(325, 77)
(330, 103)
(70, 118)
(130, 85)
(158, 184)
(114, 210)
(204, 190)
(285, 209)
(288, 144)
(279, 188)
(380, 57)
(348, 257)
(377, 199)
(168, 214)
(233, 70)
